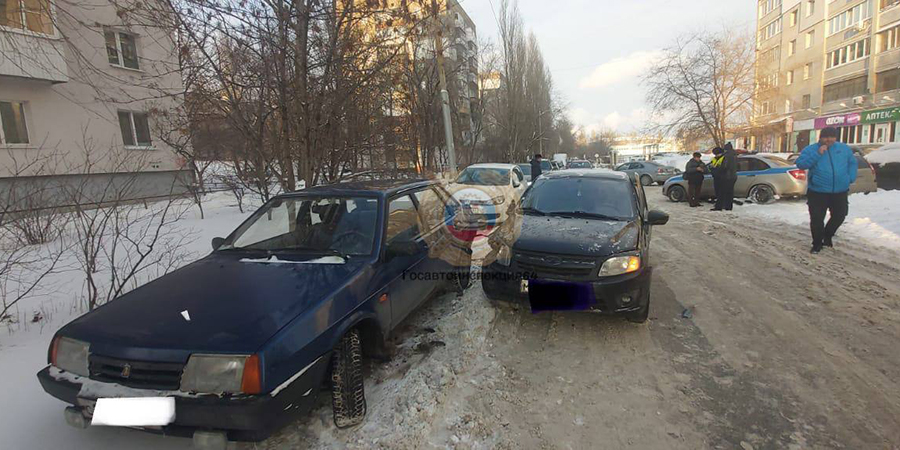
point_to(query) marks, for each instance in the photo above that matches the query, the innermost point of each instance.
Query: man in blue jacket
(831, 169)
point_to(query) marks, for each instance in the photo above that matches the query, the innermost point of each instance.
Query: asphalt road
(780, 349)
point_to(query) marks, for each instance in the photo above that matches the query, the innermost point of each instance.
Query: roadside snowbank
(874, 218)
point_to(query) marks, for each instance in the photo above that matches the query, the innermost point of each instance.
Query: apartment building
(83, 90)
(826, 63)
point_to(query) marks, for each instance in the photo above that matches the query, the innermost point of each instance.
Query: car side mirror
(402, 248)
(657, 217)
(217, 242)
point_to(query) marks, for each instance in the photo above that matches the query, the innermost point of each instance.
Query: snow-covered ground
(874, 218)
(31, 419)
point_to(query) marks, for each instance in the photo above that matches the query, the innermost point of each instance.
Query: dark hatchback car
(583, 244)
(234, 343)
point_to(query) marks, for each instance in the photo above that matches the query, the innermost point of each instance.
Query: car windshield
(585, 196)
(526, 169)
(318, 225)
(482, 176)
(545, 165)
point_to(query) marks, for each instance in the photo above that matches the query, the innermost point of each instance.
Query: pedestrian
(536, 167)
(729, 176)
(694, 171)
(715, 168)
(831, 168)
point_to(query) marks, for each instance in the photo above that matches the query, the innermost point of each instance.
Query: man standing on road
(729, 177)
(715, 167)
(536, 167)
(831, 170)
(693, 173)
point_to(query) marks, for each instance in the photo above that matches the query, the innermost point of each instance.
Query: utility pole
(442, 79)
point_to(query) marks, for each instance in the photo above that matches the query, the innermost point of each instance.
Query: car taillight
(798, 174)
(251, 382)
(51, 356)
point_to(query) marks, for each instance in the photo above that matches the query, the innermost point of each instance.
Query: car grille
(556, 266)
(136, 374)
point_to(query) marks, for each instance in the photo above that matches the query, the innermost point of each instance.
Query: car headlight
(504, 256)
(70, 355)
(216, 374)
(620, 265)
(498, 200)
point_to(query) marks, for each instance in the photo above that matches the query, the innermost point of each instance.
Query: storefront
(865, 128)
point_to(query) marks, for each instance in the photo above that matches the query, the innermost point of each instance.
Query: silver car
(648, 172)
(761, 178)
(865, 175)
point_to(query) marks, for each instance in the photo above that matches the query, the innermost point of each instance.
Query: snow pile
(885, 155)
(874, 218)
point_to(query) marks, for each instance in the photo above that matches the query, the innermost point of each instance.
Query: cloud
(615, 120)
(619, 69)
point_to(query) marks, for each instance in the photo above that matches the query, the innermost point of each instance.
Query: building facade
(824, 63)
(82, 93)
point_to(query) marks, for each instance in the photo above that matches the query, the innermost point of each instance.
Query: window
(135, 129)
(788, 106)
(403, 221)
(765, 108)
(889, 39)
(887, 81)
(845, 89)
(852, 135)
(767, 6)
(810, 38)
(889, 3)
(31, 15)
(792, 18)
(790, 77)
(806, 70)
(768, 81)
(772, 29)
(851, 17)
(121, 49)
(810, 7)
(431, 206)
(750, 165)
(845, 55)
(792, 47)
(12, 123)
(806, 101)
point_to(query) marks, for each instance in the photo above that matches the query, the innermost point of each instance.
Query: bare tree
(703, 85)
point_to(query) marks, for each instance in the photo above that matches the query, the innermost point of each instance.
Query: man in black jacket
(694, 171)
(536, 167)
(729, 177)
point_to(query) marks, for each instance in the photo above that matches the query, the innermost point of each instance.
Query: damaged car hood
(583, 237)
(224, 303)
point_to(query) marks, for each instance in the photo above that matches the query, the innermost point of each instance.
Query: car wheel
(465, 276)
(646, 180)
(762, 194)
(348, 397)
(677, 194)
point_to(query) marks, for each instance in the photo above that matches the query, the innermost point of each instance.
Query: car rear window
(482, 176)
(777, 161)
(526, 169)
(603, 196)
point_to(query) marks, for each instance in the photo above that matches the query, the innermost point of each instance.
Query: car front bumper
(608, 294)
(243, 417)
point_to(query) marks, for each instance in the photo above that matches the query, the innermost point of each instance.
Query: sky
(597, 49)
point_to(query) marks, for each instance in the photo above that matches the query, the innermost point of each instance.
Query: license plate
(134, 412)
(546, 295)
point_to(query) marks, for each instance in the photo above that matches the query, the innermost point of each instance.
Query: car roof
(491, 166)
(590, 173)
(384, 188)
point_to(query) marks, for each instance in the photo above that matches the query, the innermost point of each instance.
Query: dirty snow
(874, 218)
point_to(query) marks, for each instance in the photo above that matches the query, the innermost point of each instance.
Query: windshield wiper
(585, 215)
(536, 212)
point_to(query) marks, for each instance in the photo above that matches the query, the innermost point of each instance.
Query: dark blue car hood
(582, 237)
(234, 307)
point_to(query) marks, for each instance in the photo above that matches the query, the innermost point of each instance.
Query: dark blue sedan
(297, 295)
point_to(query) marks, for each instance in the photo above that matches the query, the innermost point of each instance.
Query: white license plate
(524, 286)
(134, 412)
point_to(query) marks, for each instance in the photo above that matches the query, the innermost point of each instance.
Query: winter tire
(676, 194)
(646, 180)
(348, 397)
(762, 194)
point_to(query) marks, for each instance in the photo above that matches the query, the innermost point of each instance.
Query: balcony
(28, 55)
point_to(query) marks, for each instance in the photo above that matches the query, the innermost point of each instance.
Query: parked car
(584, 243)
(761, 178)
(526, 171)
(555, 165)
(579, 164)
(487, 192)
(648, 172)
(241, 340)
(866, 180)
